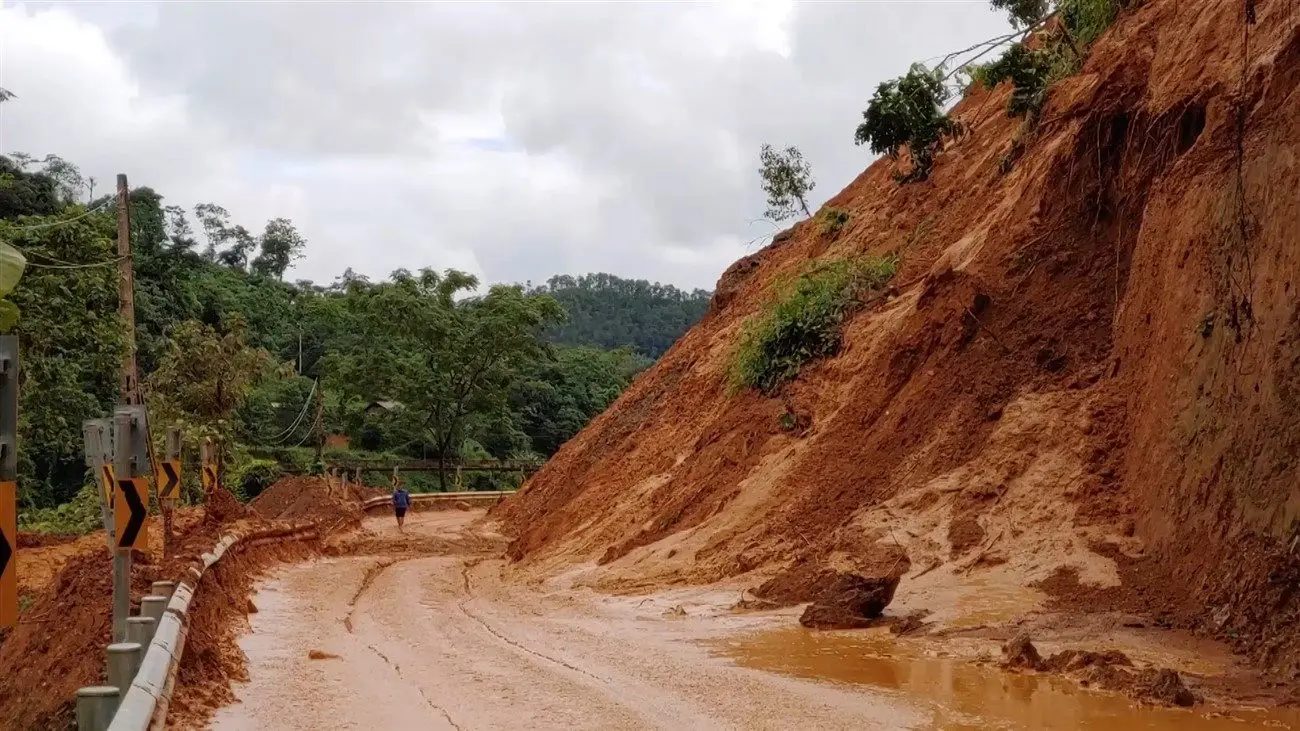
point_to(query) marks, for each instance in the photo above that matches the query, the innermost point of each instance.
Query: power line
(287, 433)
(51, 224)
(87, 265)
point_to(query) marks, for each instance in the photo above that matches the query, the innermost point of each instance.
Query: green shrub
(1086, 20)
(831, 221)
(81, 514)
(908, 111)
(804, 322)
(249, 477)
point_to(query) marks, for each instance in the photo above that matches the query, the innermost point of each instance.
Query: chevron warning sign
(107, 480)
(168, 479)
(8, 549)
(131, 511)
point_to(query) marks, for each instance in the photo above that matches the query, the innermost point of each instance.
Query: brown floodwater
(961, 695)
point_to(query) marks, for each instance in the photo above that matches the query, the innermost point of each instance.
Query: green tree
(553, 399)
(445, 360)
(206, 376)
(280, 245)
(908, 111)
(1023, 14)
(608, 312)
(71, 341)
(786, 179)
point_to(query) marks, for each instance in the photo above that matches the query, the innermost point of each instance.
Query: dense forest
(424, 364)
(609, 312)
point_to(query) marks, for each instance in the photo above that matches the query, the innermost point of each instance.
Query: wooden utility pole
(130, 394)
(126, 396)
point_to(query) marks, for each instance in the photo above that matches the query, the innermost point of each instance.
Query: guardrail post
(140, 631)
(163, 589)
(153, 607)
(123, 662)
(96, 706)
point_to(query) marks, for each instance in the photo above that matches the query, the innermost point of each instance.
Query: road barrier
(147, 699)
(385, 502)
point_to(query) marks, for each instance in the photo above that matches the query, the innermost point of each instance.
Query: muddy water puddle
(962, 695)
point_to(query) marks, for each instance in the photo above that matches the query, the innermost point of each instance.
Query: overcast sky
(511, 140)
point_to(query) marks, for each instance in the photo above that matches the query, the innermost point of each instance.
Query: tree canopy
(226, 347)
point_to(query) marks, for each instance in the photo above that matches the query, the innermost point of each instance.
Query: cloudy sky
(513, 140)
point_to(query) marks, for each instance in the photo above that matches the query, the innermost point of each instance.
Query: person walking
(401, 503)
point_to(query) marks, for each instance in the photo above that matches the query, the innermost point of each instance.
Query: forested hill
(227, 348)
(609, 312)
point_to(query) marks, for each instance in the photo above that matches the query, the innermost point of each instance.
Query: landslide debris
(850, 602)
(310, 497)
(1110, 670)
(1084, 363)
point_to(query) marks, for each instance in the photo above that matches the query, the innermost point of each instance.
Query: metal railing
(142, 673)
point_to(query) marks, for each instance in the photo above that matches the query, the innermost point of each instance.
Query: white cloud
(513, 140)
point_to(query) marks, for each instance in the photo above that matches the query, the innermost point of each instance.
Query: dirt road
(421, 632)
(440, 642)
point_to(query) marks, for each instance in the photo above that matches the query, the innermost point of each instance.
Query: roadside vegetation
(288, 375)
(804, 321)
(1050, 42)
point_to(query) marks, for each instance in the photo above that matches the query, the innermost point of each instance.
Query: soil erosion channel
(402, 639)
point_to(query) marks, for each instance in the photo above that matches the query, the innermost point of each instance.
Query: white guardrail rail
(418, 498)
(146, 702)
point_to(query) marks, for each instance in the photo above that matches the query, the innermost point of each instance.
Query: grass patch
(831, 221)
(805, 321)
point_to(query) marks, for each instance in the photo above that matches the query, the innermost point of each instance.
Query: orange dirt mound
(1089, 363)
(310, 498)
(59, 643)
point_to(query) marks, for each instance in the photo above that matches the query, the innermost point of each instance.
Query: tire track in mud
(398, 669)
(469, 595)
(367, 580)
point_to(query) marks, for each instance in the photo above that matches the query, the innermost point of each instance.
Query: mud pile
(1087, 364)
(320, 499)
(66, 621)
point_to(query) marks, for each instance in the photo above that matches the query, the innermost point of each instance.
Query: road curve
(440, 642)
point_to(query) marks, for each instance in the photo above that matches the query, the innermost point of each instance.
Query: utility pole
(130, 394)
(319, 426)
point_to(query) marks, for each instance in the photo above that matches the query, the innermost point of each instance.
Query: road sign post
(8, 480)
(130, 504)
(208, 471)
(97, 435)
(168, 483)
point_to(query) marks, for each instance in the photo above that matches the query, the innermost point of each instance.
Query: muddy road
(439, 642)
(406, 640)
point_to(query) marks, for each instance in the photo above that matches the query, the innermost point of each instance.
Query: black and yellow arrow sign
(168, 479)
(130, 511)
(107, 479)
(8, 561)
(209, 477)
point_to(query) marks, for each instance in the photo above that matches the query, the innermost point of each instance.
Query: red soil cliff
(1086, 375)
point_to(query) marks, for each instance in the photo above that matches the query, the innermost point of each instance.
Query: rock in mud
(1019, 652)
(912, 624)
(851, 602)
(1165, 686)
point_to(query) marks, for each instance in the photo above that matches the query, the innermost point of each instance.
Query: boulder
(850, 602)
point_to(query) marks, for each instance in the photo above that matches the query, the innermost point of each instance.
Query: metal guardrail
(146, 702)
(385, 501)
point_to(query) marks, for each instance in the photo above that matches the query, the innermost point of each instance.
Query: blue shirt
(401, 499)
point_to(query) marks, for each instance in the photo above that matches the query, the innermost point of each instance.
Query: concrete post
(153, 606)
(96, 706)
(163, 589)
(123, 662)
(140, 631)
